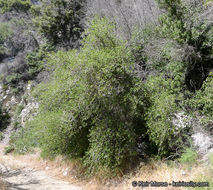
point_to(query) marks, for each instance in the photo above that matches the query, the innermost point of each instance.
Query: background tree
(60, 21)
(183, 22)
(15, 5)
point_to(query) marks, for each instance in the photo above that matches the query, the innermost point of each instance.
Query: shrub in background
(5, 33)
(196, 33)
(35, 60)
(60, 21)
(17, 5)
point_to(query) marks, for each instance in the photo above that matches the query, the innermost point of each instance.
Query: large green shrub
(93, 108)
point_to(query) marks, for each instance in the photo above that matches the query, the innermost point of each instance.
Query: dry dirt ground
(30, 172)
(16, 174)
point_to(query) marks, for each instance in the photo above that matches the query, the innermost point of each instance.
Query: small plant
(5, 87)
(13, 78)
(19, 108)
(17, 125)
(24, 140)
(8, 149)
(1, 136)
(189, 157)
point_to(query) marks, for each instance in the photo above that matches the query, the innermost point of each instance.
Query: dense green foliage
(59, 20)
(94, 107)
(17, 5)
(160, 114)
(202, 101)
(197, 33)
(204, 98)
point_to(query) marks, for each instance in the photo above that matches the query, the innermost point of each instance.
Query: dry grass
(154, 171)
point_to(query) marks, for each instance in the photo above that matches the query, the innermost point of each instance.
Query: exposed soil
(16, 174)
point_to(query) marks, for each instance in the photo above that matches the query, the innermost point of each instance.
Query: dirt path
(16, 174)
